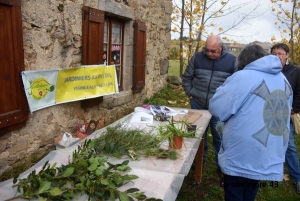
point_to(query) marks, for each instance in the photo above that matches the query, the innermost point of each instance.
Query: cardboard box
(190, 116)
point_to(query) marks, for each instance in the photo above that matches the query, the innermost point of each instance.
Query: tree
(287, 13)
(174, 52)
(200, 19)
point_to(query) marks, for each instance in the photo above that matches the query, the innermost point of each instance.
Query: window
(14, 108)
(113, 45)
(102, 43)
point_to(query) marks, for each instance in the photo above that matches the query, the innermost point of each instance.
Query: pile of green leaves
(118, 141)
(87, 173)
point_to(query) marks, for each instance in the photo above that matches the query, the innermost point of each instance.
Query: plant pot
(177, 142)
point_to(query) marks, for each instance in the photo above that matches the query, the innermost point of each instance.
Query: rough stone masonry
(52, 35)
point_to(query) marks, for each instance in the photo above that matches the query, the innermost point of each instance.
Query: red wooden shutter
(92, 36)
(92, 43)
(139, 56)
(13, 104)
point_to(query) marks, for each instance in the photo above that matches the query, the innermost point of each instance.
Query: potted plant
(174, 132)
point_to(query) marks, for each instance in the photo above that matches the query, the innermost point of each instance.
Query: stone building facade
(52, 36)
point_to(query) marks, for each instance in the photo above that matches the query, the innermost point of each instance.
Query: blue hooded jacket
(255, 104)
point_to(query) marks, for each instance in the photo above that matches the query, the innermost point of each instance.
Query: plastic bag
(68, 140)
(296, 122)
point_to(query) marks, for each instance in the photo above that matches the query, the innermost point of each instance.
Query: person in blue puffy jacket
(255, 105)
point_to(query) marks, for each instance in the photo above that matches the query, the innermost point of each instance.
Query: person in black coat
(205, 72)
(292, 74)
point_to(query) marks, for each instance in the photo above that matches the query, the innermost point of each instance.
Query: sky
(260, 28)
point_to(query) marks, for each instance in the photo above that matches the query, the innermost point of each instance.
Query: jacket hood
(269, 64)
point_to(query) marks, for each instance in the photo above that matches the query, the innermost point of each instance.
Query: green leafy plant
(87, 173)
(171, 129)
(118, 141)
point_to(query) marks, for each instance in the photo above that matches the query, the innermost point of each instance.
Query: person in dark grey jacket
(205, 72)
(292, 74)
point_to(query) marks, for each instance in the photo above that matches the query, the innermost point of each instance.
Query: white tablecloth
(159, 178)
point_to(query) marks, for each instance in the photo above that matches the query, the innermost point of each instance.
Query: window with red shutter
(139, 56)
(102, 40)
(13, 104)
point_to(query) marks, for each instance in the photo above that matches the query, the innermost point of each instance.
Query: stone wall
(52, 33)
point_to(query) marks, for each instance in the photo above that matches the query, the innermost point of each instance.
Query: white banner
(40, 85)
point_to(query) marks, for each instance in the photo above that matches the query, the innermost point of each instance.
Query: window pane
(116, 33)
(105, 56)
(116, 59)
(118, 72)
(105, 31)
(113, 48)
(105, 45)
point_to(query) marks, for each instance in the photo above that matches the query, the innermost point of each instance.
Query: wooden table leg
(199, 161)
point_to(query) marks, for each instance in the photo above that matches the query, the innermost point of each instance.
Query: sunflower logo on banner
(40, 88)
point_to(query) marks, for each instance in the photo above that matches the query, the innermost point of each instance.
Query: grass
(173, 68)
(169, 96)
(209, 189)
